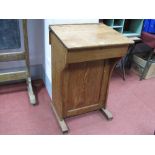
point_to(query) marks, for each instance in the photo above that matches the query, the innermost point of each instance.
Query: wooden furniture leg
(30, 92)
(62, 123)
(107, 113)
(110, 65)
(29, 84)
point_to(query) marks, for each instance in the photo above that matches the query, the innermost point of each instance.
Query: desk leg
(108, 68)
(62, 123)
(107, 113)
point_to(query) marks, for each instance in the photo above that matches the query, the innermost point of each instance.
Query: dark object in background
(148, 39)
(9, 34)
(138, 48)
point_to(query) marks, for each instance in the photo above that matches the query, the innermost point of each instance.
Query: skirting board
(48, 85)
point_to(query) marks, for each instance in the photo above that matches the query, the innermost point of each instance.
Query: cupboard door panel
(84, 86)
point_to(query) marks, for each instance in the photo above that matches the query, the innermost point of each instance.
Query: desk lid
(88, 35)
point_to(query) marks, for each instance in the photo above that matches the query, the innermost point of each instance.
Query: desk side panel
(108, 69)
(58, 65)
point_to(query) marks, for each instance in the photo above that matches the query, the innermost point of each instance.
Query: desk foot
(61, 122)
(32, 97)
(107, 113)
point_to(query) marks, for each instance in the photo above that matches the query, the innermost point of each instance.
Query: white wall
(47, 47)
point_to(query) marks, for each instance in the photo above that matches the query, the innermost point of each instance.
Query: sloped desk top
(88, 36)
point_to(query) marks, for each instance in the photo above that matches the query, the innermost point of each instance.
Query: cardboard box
(139, 63)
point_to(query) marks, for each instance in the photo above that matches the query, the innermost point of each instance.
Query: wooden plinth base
(63, 125)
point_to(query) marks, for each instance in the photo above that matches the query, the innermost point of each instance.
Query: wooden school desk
(83, 57)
